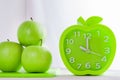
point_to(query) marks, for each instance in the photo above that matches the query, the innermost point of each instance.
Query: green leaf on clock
(93, 20)
(80, 21)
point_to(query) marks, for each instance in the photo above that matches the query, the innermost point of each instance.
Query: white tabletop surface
(63, 74)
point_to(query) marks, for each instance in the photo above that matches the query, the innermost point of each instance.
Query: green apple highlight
(10, 56)
(36, 59)
(30, 33)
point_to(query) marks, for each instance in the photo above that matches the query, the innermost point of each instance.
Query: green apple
(10, 56)
(36, 59)
(30, 33)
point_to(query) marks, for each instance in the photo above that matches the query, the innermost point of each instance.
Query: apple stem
(41, 41)
(31, 18)
(8, 40)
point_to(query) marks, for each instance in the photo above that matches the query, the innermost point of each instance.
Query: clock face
(88, 49)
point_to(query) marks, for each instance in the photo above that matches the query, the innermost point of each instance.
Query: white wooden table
(63, 74)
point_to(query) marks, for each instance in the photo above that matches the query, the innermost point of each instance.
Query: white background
(55, 16)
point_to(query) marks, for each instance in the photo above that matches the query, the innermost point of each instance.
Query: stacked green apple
(28, 52)
(10, 56)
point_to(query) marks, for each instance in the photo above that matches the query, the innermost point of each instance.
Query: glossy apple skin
(30, 33)
(10, 56)
(36, 59)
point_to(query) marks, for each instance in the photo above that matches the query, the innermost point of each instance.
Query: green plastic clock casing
(87, 48)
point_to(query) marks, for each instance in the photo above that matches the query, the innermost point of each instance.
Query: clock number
(69, 41)
(87, 35)
(79, 66)
(104, 59)
(98, 66)
(87, 65)
(72, 60)
(68, 50)
(107, 50)
(77, 33)
(106, 38)
(98, 32)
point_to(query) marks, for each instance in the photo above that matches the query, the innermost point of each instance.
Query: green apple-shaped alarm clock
(87, 48)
